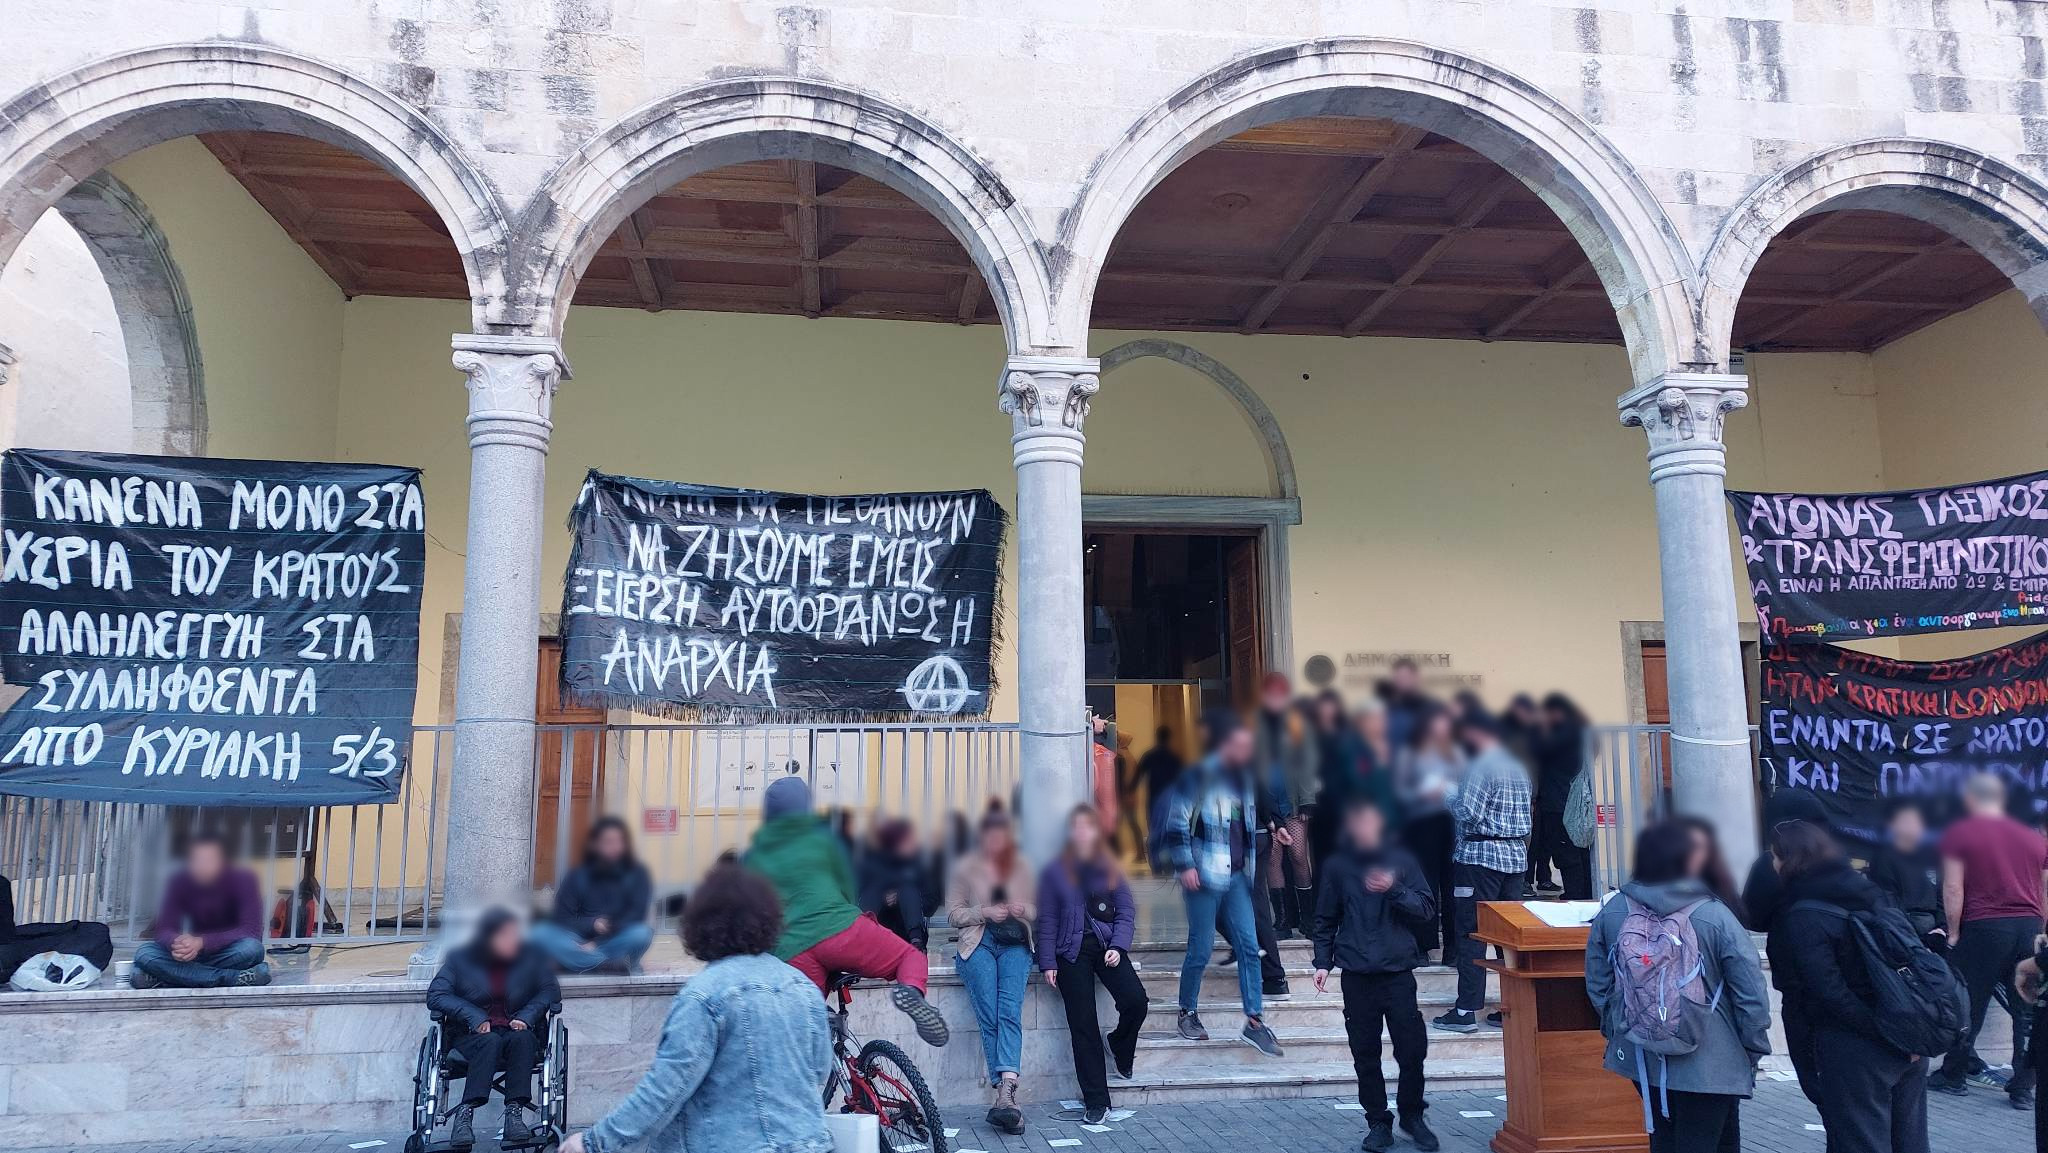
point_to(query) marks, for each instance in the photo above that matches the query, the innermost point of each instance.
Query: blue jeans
(1238, 926)
(623, 947)
(995, 976)
(206, 971)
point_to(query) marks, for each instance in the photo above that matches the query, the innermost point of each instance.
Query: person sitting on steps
(600, 913)
(494, 995)
(208, 931)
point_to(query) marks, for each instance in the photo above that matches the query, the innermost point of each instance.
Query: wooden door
(581, 783)
(1657, 702)
(1245, 630)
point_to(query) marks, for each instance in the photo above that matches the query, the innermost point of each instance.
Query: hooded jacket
(1737, 1033)
(1360, 931)
(799, 855)
(1813, 960)
(461, 991)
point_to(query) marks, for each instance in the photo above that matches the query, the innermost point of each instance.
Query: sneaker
(1190, 1026)
(1259, 1037)
(137, 979)
(1095, 1114)
(1277, 990)
(1379, 1136)
(1004, 1115)
(1990, 1077)
(1456, 1021)
(517, 1131)
(252, 978)
(1418, 1131)
(1229, 959)
(1494, 1020)
(1120, 1068)
(462, 1127)
(1940, 1084)
(931, 1027)
(2021, 1099)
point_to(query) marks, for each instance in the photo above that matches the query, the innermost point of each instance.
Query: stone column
(1712, 774)
(511, 381)
(1047, 399)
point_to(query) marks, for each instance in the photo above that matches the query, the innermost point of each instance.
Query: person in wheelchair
(494, 996)
(746, 1047)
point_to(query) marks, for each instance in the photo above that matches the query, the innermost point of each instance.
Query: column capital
(1682, 413)
(511, 382)
(1047, 400)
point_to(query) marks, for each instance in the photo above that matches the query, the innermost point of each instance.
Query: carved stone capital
(1047, 400)
(6, 364)
(511, 382)
(1682, 414)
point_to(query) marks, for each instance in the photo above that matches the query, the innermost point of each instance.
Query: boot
(1004, 1114)
(1379, 1136)
(462, 1127)
(517, 1131)
(1283, 928)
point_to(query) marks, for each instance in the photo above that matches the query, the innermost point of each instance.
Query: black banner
(1887, 564)
(1859, 731)
(699, 602)
(208, 632)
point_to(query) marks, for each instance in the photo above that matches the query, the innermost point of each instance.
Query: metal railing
(371, 873)
(1629, 767)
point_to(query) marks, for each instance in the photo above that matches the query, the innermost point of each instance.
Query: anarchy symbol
(939, 685)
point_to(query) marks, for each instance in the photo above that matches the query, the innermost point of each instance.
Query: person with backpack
(1877, 1003)
(1665, 941)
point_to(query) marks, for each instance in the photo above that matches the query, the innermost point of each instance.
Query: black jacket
(461, 991)
(1913, 882)
(1813, 958)
(619, 893)
(1560, 758)
(917, 897)
(1360, 931)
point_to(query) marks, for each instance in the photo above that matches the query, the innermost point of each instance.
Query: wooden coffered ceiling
(1329, 226)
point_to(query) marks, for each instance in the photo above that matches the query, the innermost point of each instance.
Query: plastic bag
(54, 972)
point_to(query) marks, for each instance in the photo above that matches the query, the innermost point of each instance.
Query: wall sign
(699, 602)
(1886, 564)
(1858, 730)
(208, 632)
(1439, 672)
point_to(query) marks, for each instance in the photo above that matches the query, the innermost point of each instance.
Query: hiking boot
(252, 978)
(1095, 1114)
(1418, 1131)
(1004, 1114)
(1121, 1068)
(1379, 1136)
(462, 1127)
(1190, 1026)
(931, 1027)
(1259, 1037)
(517, 1131)
(1456, 1021)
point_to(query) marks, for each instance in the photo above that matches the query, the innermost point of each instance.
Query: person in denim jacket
(743, 1057)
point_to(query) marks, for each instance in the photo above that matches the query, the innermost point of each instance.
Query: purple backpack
(1660, 988)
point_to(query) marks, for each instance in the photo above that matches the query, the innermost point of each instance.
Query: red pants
(868, 949)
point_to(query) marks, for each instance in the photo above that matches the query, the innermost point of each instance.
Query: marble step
(1162, 982)
(1166, 1049)
(1290, 1078)
(1309, 1010)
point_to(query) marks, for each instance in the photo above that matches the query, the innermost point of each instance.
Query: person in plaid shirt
(1494, 817)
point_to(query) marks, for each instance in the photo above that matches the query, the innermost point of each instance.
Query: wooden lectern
(1559, 1098)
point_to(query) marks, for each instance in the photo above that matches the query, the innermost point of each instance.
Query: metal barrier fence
(1629, 767)
(371, 873)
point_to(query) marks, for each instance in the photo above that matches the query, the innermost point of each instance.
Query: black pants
(1554, 847)
(1699, 1122)
(1272, 971)
(1472, 885)
(1800, 1039)
(1369, 999)
(513, 1052)
(1873, 1098)
(2037, 1054)
(1984, 957)
(1430, 839)
(1078, 978)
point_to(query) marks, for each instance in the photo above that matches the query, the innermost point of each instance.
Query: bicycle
(880, 1080)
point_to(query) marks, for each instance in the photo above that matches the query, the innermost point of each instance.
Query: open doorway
(1176, 622)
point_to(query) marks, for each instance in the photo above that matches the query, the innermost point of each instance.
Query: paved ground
(1779, 1120)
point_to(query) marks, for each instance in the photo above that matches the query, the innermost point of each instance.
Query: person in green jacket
(824, 930)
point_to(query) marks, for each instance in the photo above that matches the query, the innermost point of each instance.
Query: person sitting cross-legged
(208, 931)
(599, 917)
(494, 995)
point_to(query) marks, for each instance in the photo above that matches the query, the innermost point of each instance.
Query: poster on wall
(706, 603)
(733, 766)
(1859, 731)
(1885, 564)
(208, 632)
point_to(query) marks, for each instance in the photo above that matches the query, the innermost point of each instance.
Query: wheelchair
(441, 1065)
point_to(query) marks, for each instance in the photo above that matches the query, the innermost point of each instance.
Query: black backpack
(1921, 1008)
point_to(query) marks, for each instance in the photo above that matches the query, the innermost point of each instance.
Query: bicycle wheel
(903, 1103)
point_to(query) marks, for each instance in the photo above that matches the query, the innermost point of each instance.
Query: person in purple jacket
(1085, 920)
(208, 932)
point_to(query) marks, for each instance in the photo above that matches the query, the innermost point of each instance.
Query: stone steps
(1287, 1077)
(1167, 1050)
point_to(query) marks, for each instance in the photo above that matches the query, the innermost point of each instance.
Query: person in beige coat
(991, 903)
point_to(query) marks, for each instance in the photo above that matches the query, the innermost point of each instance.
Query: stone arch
(1279, 459)
(134, 258)
(1988, 205)
(729, 122)
(1594, 190)
(61, 131)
